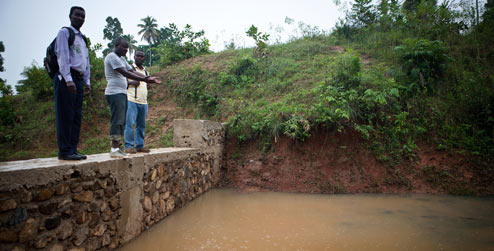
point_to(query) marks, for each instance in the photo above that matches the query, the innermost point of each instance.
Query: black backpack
(50, 61)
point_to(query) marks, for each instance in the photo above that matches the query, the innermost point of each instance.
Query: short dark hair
(75, 8)
(140, 53)
(120, 40)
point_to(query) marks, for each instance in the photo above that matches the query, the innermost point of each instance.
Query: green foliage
(2, 49)
(182, 45)
(7, 112)
(132, 44)
(149, 29)
(5, 89)
(166, 139)
(112, 31)
(297, 127)
(362, 13)
(261, 41)
(245, 66)
(443, 61)
(345, 71)
(36, 82)
(423, 62)
(197, 91)
(97, 66)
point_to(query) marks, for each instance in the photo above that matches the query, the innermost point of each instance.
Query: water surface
(230, 220)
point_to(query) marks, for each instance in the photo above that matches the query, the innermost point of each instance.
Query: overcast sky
(28, 26)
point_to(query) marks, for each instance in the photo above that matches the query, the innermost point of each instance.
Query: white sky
(28, 26)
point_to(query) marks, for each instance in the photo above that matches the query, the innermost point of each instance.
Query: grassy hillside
(295, 87)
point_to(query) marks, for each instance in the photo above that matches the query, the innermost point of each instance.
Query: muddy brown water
(224, 219)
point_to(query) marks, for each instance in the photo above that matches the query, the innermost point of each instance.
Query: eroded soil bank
(332, 162)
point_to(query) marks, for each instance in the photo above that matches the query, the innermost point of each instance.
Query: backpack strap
(72, 37)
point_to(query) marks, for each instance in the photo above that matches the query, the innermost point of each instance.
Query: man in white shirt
(70, 82)
(117, 71)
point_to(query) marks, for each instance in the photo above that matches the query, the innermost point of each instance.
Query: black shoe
(80, 154)
(70, 157)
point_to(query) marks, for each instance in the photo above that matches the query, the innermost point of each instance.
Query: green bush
(182, 45)
(261, 41)
(423, 63)
(197, 90)
(37, 82)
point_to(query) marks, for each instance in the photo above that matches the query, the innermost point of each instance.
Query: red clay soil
(332, 162)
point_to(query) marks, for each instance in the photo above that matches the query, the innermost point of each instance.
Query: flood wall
(102, 203)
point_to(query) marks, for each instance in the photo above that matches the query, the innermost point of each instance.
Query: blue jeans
(68, 112)
(136, 116)
(118, 108)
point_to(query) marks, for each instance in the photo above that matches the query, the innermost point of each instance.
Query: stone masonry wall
(100, 203)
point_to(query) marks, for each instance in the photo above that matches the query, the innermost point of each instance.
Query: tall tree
(149, 29)
(132, 44)
(362, 13)
(112, 31)
(2, 49)
(5, 89)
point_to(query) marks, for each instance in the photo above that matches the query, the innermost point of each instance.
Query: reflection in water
(229, 220)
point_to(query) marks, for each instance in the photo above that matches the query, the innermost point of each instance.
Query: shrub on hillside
(182, 45)
(423, 63)
(37, 82)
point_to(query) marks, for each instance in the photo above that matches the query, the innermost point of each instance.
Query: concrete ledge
(36, 172)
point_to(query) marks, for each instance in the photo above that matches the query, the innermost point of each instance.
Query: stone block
(156, 197)
(147, 203)
(94, 219)
(76, 187)
(86, 196)
(165, 195)
(8, 236)
(81, 217)
(106, 240)
(42, 241)
(158, 184)
(80, 236)
(153, 175)
(56, 247)
(52, 223)
(114, 204)
(48, 208)
(162, 207)
(6, 205)
(99, 230)
(65, 230)
(113, 244)
(29, 231)
(65, 202)
(77, 249)
(62, 189)
(19, 216)
(170, 205)
(45, 194)
(93, 243)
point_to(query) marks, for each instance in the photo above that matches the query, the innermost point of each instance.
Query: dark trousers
(118, 108)
(68, 111)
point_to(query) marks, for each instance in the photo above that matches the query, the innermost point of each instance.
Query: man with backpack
(72, 77)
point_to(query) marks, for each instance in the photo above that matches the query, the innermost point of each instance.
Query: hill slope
(308, 116)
